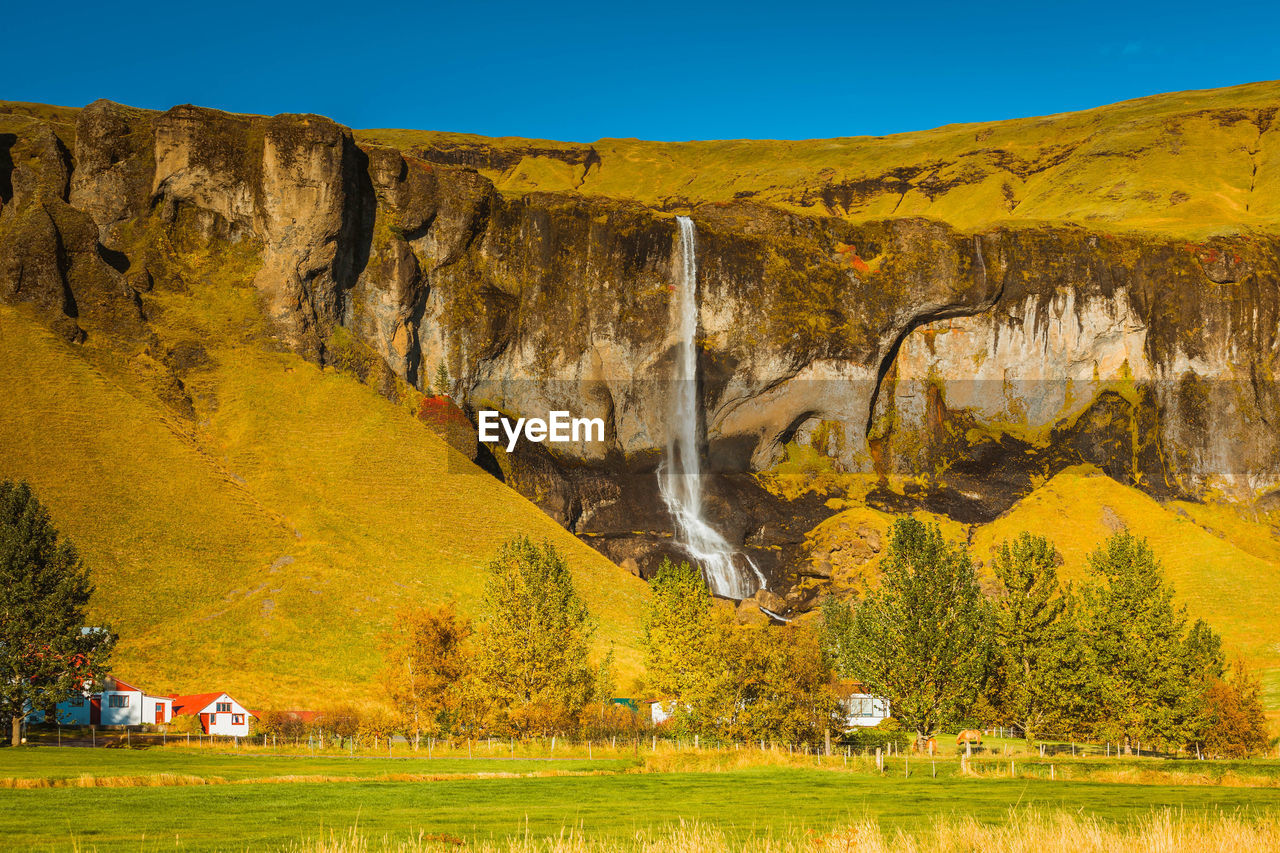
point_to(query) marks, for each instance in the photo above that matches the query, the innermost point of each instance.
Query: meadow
(220, 799)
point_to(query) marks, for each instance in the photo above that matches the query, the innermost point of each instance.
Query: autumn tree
(730, 680)
(779, 684)
(1236, 721)
(532, 642)
(681, 636)
(46, 655)
(428, 667)
(921, 639)
(1037, 656)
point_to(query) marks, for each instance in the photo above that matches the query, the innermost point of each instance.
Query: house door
(159, 713)
(95, 710)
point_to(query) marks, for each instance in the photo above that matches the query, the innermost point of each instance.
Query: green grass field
(775, 801)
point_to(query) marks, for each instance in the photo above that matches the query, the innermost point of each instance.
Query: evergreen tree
(533, 641)
(442, 387)
(1037, 656)
(45, 655)
(922, 638)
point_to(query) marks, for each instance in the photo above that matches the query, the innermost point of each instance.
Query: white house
(117, 703)
(661, 710)
(219, 714)
(860, 708)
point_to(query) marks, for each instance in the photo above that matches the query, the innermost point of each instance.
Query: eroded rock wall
(973, 362)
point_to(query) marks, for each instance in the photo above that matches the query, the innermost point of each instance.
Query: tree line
(1110, 659)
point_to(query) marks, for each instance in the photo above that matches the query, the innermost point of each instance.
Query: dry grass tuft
(1025, 832)
(87, 780)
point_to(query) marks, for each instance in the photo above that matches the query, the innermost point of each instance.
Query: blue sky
(581, 71)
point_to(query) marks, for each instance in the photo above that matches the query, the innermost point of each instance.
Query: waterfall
(680, 477)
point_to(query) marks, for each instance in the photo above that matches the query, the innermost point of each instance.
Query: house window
(213, 718)
(118, 701)
(237, 719)
(77, 701)
(224, 708)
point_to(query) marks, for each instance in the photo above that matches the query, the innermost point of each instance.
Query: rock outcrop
(972, 361)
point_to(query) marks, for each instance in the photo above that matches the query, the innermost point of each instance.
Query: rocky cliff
(955, 315)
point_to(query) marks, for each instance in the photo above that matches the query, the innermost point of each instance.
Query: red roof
(118, 685)
(196, 702)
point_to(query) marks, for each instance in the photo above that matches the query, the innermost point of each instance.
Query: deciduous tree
(681, 641)
(428, 668)
(1037, 657)
(1144, 682)
(533, 641)
(922, 638)
(1237, 723)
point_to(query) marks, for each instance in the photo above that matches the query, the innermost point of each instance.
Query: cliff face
(973, 361)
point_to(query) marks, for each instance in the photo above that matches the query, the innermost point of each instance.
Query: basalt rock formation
(1002, 302)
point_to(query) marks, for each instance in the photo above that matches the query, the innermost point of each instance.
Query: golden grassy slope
(264, 551)
(1188, 163)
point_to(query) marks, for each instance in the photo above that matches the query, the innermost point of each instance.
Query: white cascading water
(680, 477)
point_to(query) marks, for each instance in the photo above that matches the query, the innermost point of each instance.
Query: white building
(859, 708)
(219, 714)
(117, 703)
(661, 710)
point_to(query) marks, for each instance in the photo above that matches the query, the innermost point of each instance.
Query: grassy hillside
(1188, 163)
(264, 550)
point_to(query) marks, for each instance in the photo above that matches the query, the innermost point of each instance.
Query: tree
(1205, 667)
(921, 639)
(428, 666)
(1237, 723)
(1036, 654)
(46, 655)
(779, 684)
(533, 640)
(1142, 682)
(442, 388)
(680, 638)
